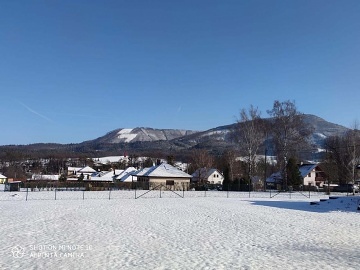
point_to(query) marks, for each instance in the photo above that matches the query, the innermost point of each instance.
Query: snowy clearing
(195, 232)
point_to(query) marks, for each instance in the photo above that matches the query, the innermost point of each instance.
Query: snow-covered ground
(195, 232)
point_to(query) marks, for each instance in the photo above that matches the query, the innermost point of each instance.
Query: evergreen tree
(81, 177)
(293, 173)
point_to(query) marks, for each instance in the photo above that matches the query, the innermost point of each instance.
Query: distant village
(238, 167)
(152, 174)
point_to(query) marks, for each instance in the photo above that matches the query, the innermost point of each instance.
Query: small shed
(12, 186)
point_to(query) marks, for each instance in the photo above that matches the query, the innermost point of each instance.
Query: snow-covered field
(195, 232)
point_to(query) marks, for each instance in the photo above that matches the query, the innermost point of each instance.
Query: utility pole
(265, 165)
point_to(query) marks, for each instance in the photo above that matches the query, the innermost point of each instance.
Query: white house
(210, 176)
(311, 174)
(44, 177)
(107, 176)
(164, 175)
(126, 175)
(77, 171)
(3, 179)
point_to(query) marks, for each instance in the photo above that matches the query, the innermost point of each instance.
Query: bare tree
(230, 160)
(288, 130)
(354, 136)
(337, 159)
(250, 135)
(201, 160)
(343, 156)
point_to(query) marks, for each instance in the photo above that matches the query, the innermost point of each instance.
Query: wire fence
(26, 194)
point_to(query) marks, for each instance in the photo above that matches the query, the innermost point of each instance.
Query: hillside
(149, 140)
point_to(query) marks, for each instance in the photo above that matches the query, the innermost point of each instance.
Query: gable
(166, 170)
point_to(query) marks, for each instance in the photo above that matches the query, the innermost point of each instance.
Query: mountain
(321, 129)
(141, 134)
(149, 140)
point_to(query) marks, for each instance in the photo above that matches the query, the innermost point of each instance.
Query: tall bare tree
(354, 137)
(230, 160)
(202, 160)
(250, 135)
(288, 130)
(337, 159)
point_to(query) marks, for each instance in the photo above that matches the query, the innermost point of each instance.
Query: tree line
(283, 134)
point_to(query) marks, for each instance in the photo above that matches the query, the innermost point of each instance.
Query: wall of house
(179, 183)
(215, 178)
(310, 178)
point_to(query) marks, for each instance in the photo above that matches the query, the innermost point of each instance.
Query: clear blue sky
(72, 70)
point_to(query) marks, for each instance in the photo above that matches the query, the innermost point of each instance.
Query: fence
(80, 193)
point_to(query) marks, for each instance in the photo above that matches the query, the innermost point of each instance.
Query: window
(309, 174)
(170, 182)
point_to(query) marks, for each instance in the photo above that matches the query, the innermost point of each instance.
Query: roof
(2, 176)
(274, 178)
(128, 177)
(206, 172)
(74, 169)
(141, 172)
(109, 159)
(305, 169)
(124, 172)
(45, 177)
(163, 170)
(87, 169)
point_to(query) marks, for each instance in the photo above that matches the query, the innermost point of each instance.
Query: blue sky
(73, 70)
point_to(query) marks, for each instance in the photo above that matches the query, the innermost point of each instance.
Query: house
(311, 174)
(274, 180)
(210, 176)
(126, 175)
(3, 179)
(164, 175)
(78, 171)
(108, 176)
(44, 177)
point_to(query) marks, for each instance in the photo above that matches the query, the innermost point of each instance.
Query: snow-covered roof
(107, 175)
(305, 169)
(71, 169)
(163, 170)
(87, 169)
(274, 178)
(204, 171)
(2, 176)
(44, 177)
(141, 172)
(124, 172)
(109, 159)
(128, 177)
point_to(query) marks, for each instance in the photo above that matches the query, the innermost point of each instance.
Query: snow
(109, 159)
(321, 135)
(195, 232)
(164, 170)
(125, 133)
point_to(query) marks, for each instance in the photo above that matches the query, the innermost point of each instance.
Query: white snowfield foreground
(195, 232)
